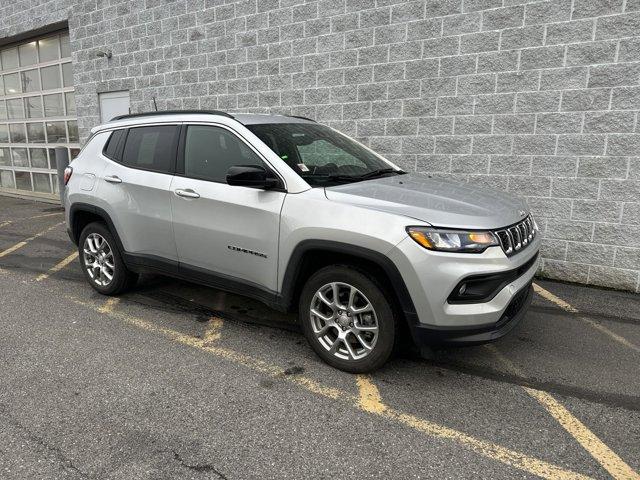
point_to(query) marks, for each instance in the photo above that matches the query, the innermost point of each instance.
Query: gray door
(113, 104)
(226, 229)
(137, 188)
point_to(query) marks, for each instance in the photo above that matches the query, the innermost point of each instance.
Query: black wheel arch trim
(100, 212)
(294, 266)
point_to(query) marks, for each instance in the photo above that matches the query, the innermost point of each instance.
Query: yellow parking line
(21, 244)
(9, 250)
(606, 457)
(611, 462)
(214, 330)
(9, 222)
(370, 399)
(613, 335)
(553, 299)
(56, 268)
(490, 450)
(109, 305)
(570, 308)
(495, 452)
(45, 215)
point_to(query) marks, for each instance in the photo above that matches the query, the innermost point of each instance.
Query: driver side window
(210, 151)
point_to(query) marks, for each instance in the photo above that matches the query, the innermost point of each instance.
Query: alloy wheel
(344, 321)
(98, 259)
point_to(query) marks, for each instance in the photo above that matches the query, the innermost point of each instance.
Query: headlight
(452, 240)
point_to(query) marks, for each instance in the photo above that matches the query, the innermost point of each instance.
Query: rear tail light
(67, 174)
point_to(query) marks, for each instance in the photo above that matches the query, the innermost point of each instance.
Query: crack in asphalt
(198, 467)
(65, 462)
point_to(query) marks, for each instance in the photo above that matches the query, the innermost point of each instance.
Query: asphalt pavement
(176, 380)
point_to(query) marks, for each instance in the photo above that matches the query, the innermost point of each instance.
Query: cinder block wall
(539, 98)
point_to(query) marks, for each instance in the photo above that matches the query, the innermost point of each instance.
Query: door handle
(188, 193)
(112, 179)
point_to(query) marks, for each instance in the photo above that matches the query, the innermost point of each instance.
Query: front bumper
(431, 277)
(429, 335)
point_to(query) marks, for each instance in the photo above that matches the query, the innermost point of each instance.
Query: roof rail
(302, 118)
(170, 112)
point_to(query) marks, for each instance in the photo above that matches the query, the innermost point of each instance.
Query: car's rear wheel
(347, 319)
(101, 261)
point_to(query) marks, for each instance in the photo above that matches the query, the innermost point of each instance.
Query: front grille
(516, 237)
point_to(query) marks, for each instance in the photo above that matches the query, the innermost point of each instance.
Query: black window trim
(179, 170)
(123, 141)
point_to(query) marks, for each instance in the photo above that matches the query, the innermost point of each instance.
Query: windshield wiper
(354, 178)
(380, 171)
(366, 176)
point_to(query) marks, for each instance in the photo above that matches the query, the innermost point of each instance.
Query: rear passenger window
(210, 151)
(151, 148)
(111, 148)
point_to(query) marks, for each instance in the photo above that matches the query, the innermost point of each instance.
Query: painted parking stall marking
(609, 460)
(24, 242)
(109, 305)
(214, 330)
(45, 215)
(57, 267)
(371, 405)
(571, 309)
(369, 395)
(368, 399)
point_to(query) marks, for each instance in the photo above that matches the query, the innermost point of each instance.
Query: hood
(439, 202)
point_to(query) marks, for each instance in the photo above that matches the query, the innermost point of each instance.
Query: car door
(135, 187)
(229, 231)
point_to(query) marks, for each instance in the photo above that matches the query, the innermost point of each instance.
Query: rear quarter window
(112, 147)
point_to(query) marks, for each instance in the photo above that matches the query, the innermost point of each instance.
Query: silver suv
(301, 217)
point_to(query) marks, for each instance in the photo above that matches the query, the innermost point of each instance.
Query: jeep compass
(301, 217)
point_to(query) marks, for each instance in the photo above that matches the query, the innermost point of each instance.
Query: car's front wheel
(347, 319)
(101, 261)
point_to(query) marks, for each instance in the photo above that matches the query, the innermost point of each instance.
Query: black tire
(375, 294)
(123, 279)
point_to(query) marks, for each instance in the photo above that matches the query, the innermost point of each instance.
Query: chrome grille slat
(524, 239)
(516, 237)
(505, 240)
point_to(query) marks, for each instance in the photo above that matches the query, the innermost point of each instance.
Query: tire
(121, 278)
(318, 293)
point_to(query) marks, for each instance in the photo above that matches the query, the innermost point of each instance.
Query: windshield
(321, 155)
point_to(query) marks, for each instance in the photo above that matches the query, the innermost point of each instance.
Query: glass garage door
(37, 113)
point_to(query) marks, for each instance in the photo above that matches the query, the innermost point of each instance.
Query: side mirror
(255, 176)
